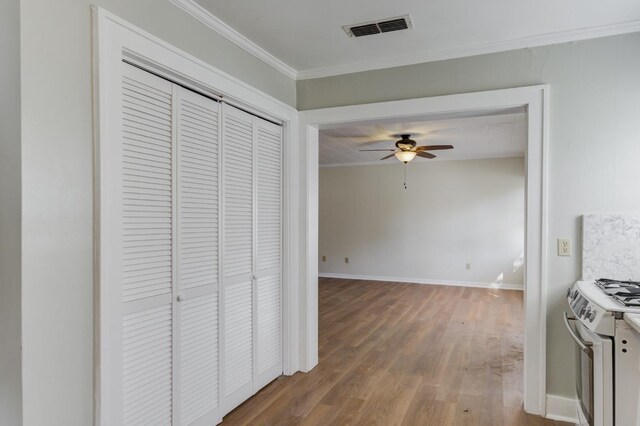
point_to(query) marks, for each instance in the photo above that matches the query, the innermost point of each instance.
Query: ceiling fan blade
(377, 150)
(433, 147)
(425, 154)
(388, 156)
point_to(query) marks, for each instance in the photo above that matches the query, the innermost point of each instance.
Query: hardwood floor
(405, 354)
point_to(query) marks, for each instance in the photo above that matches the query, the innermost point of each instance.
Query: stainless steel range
(606, 314)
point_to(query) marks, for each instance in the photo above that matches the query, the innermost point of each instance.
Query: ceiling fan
(406, 149)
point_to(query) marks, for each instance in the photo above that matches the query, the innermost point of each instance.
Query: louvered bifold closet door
(166, 254)
(268, 199)
(237, 258)
(197, 259)
(145, 251)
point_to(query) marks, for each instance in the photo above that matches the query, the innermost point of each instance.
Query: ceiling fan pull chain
(405, 176)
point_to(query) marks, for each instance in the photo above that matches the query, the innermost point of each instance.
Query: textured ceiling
(308, 35)
(490, 136)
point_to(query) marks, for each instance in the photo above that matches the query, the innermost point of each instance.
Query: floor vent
(377, 27)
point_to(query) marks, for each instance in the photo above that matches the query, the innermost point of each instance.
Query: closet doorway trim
(115, 40)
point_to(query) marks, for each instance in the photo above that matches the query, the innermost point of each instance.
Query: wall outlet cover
(564, 247)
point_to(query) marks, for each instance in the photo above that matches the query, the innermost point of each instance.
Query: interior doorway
(451, 217)
(531, 100)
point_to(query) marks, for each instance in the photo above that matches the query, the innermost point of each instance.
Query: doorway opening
(452, 216)
(531, 101)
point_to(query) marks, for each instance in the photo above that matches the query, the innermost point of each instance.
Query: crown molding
(204, 16)
(473, 50)
(207, 18)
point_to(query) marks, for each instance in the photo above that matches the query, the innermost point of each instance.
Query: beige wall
(594, 136)
(10, 208)
(58, 191)
(451, 214)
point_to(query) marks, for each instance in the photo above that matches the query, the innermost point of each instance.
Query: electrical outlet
(324, 258)
(346, 260)
(468, 266)
(564, 247)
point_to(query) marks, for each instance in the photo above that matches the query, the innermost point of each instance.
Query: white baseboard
(562, 409)
(503, 286)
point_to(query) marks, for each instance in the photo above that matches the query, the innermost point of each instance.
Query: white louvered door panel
(237, 257)
(197, 259)
(268, 252)
(198, 394)
(238, 193)
(147, 213)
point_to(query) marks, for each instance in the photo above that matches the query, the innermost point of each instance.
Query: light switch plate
(564, 247)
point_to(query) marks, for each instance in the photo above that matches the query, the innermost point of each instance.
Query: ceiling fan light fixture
(405, 156)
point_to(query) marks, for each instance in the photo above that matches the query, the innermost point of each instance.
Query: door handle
(585, 346)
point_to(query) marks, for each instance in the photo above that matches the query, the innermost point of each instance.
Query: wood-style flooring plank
(405, 354)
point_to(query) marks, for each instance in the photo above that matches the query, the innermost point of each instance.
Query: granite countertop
(633, 320)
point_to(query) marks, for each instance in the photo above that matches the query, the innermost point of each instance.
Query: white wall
(10, 211)
(453, 213)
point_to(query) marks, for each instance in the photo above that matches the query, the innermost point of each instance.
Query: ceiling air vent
(393, 25)
(377, 27)
(365, 30)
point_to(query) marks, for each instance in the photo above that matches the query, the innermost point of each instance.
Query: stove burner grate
(633, 301)
(625, 292)
(607, 283)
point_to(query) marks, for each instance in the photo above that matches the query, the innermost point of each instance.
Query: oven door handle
(585, 346)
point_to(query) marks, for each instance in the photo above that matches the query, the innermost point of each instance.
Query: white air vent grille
(381, 26)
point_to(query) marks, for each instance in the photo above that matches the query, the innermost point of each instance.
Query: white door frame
(535, 100)
(115, 40)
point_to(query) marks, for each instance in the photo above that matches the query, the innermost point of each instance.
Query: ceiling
(488, 136)
(307, 35)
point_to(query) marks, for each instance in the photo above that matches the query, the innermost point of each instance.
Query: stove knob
(591, 315)
(582, 311)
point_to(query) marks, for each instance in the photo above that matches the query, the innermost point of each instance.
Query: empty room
(414, 261)
(319, 212)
